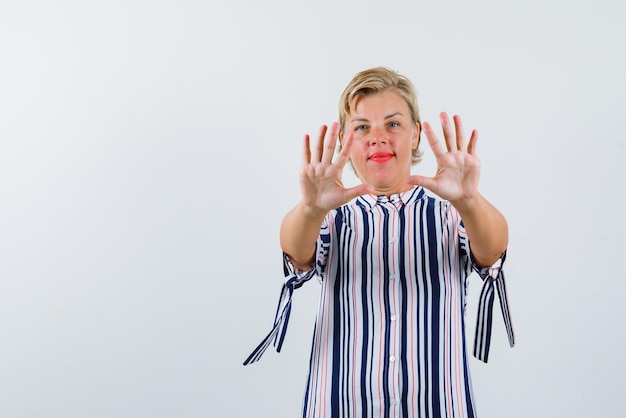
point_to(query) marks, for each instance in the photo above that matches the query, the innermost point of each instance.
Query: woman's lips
(381, 157)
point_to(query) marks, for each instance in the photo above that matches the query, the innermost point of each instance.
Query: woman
(393, 260)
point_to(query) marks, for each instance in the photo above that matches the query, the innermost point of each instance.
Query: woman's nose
(377, 136)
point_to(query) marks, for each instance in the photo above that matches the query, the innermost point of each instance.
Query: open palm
(458, 166)
(321, 182)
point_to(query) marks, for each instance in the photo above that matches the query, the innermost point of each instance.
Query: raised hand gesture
(321, 182)
(458, 166)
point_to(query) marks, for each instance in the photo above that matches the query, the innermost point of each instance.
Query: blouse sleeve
(294, 279)
(493, 277)
(493, 281)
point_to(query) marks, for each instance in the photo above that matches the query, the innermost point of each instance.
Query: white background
(149, 149)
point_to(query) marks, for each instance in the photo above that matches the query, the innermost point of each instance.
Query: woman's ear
(416, 137)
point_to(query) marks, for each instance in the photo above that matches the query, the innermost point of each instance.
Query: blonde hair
(376, 80)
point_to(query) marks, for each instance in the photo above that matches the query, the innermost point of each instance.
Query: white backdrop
(149, 149)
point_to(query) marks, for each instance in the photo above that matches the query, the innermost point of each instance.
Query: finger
(427, 182)
(471, 147)
(344, 154)
(357, 191)
(319, 145)
(448, 132)
(433, 141)
(460, 135)
(330, 144)
(306, 150)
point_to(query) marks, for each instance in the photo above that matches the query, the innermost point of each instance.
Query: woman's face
(384, 138)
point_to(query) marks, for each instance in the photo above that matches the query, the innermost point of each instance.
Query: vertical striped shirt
(389, 337)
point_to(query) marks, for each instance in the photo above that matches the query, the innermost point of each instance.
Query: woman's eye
(393, 124)
(361, 128)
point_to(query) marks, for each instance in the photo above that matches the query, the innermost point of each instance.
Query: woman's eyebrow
(361, 119)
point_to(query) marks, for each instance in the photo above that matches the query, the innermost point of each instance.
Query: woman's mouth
(381, 157)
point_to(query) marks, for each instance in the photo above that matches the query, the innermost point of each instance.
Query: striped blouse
(389, 337)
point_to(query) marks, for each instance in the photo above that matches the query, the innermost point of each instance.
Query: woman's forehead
(380, 105)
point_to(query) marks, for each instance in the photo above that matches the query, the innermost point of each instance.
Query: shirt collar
(369, 201)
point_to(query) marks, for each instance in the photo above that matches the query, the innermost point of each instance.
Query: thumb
(427, 182)
(359, 190)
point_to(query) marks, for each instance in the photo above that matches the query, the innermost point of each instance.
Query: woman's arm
(322, 190)
(456, 180)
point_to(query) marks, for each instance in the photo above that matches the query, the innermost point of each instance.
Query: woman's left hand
(458, 166)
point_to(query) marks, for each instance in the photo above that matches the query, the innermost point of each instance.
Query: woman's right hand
(321, 182)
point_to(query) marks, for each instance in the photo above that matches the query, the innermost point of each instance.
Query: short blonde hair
(376, 80)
